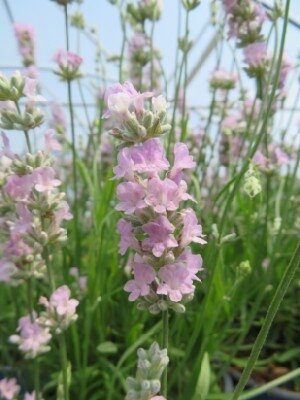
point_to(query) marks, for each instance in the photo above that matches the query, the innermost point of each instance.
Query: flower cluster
(32, 338)
(60, 310)
(9, 390)
(223, 80)
(252, 185)
(144, 10)
(34, 331)
(146, 384)
(12, 117)
(26, 42)
(34, 209)
(58, 120)
(277, 157)
(126, 104)
(151, 195)
(144, 59)
(68, 65)
(245, 19)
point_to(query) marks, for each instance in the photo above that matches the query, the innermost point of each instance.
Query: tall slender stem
(74, 166)
(64, 363)
(264, 125)
(36, 372)
(25, 132)
(165, 340)
(272, 310)
(36, 377)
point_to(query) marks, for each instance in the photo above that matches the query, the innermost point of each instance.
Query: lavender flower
(58, 119)
(25, 35)
(60, 310)
(151, 196)
(245, 20)
(223, 80)
(68, 64)
(32, 338)
(9, 389)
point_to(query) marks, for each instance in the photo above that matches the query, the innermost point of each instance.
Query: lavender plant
(102, 189)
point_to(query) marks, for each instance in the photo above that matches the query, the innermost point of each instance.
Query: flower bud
(244, 268)
(190, 4)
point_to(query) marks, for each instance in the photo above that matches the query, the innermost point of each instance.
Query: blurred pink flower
(9, 389)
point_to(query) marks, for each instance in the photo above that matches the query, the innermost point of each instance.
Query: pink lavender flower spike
(9, 389)
(256, 57)
(182, 160)
(131, 197)
(30, 396)
(60, 310)
(44, 179)
(68, 64)
(160, 236)
(7, 270)
(127, 239)
(151, 195)
(51, 142)
(191, 231)
(165, 195)
(25, 35)
(30, 90)
(62, 213)
(120, 98)
(6, 151)
(144, 275)
(67, 59)
(24, 223)
(58, 119)
(149, 158)
(19, 187)
(125, 167)
(33, 339)
(176, 282)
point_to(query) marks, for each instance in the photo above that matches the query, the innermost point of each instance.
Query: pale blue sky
(48, 21)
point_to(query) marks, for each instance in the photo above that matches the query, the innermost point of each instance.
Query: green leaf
(288, 355)
(203, 383)
(107, 348)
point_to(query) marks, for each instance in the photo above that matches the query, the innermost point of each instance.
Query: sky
(48, 20)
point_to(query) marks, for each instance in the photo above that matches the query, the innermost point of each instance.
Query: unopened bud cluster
(146, 384)
(252, 185)
(144, 10)
(12, 116)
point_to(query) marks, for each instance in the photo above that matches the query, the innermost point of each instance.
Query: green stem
(272, 310)
(264, 125)
(36, 372)
(28, 141)
(74, 166)
(25, 132)
(165, 339)
(30, 299)
(49, 272)
(36, 375)
(64, 363)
